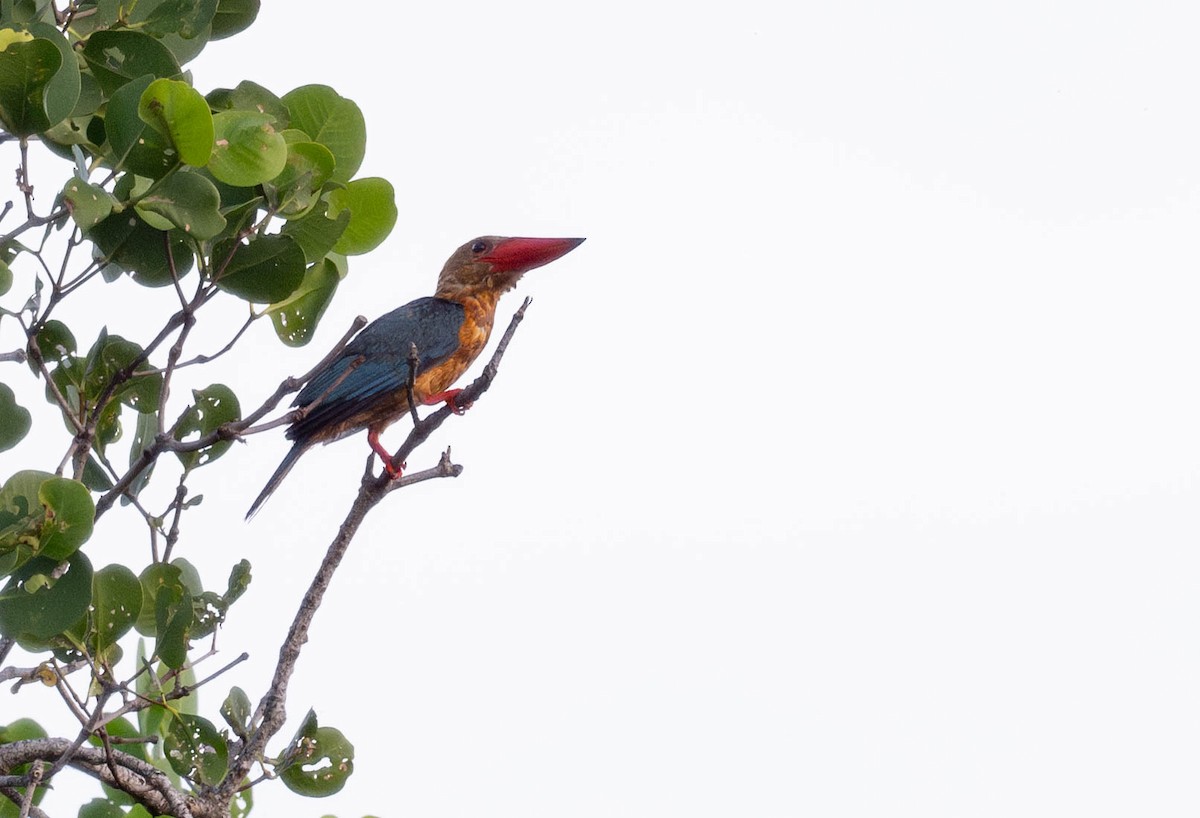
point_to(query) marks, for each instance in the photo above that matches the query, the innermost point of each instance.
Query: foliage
(235, 194)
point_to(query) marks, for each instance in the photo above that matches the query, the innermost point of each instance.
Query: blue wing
(374, 365)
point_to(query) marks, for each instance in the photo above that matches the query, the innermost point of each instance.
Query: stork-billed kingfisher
(366, 386)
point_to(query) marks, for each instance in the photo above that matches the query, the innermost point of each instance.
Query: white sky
(848, 469)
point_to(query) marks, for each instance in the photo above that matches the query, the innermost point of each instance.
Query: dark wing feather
(374, 364)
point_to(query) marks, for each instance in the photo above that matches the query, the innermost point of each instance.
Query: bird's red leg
(450, 396)
(392, 469)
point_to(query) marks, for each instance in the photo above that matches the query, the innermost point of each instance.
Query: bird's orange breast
(479, 313)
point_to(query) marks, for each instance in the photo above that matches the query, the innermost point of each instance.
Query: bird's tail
(298, 448)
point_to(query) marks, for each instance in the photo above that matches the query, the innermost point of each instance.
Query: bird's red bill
(522, 254)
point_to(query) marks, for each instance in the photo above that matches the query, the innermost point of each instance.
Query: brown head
(495, 263)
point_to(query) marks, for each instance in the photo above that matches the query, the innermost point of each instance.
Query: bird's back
(366, 384)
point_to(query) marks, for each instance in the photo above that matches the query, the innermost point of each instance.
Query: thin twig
(177, 503)
(35, 781)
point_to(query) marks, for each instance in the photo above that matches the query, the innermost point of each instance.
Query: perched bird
(366, 386)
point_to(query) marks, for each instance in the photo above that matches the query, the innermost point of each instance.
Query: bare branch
(147, 784)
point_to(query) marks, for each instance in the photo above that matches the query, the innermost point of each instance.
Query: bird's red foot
(393, 470)
(450, 396)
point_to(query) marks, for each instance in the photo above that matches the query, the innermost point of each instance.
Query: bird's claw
(394, 471)
(450, 397)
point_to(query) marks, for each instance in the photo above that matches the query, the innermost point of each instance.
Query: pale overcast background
(848, 469)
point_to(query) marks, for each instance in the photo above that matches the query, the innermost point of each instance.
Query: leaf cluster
(237, 194)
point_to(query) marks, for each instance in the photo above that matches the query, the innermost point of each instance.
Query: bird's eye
(478, 247)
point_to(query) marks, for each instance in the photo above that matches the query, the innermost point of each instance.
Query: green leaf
(208, 613)
(90, 97)
(320, 760)
(123, 728)
(187, 201)
(297, 188)
(233, 16)
(118, 56)
(189, 576)
(153, 579)
(239, 581)
(195, 749)
(40, 601)
(132, 142)
(101, 808)
(334, 121)
(6, 277)
(111, 355)
(21, 730)
(295, 318)
(236, 710)
(27, 65)
(264, 270)
(213, 406)
(94, 477)
(239, 205)
(88, 203)
(248, 150)
(62, 91)
(145, 430)
(177, 110)
(172, 622)
(15, 419)
(70, 514)
(187, 19)
(116, 603)
(372, 206)
(131, 244)
(21, 516)
(317, 232)
(250, 96)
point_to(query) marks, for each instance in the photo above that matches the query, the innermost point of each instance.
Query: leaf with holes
(195, 749)
(237, 710)
(117, 57)
(215, 405)
(295, 318)
(116, 603)
(318, 761)
(43, 598)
